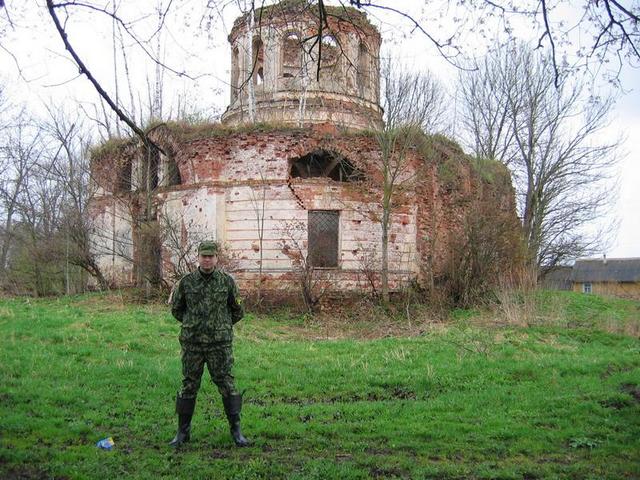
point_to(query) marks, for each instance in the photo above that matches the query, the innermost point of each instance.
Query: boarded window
(324, 163)
(323, 238)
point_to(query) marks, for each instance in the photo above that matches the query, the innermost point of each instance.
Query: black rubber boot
(184, 409)
(232, 407)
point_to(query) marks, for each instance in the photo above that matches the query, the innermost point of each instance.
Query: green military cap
(208, 247)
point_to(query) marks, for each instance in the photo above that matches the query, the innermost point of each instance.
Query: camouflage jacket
(207, 306)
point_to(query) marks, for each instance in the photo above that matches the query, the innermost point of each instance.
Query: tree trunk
(384, 274)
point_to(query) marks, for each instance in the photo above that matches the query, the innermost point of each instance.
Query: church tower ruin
(289, 67)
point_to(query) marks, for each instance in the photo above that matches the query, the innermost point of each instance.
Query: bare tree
(258, 204)
(5, 108)
(69, 168)
(311, 280)
(181, 241)
(548, 137)
(20, 151)
(412, 98)
(398, 172)
(35, 201)
(413, 102)
(45, 193)
(485, 114)
(598, 35)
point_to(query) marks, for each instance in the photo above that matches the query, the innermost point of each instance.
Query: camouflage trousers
(219, 360)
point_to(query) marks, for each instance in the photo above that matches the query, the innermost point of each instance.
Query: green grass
(461, 400)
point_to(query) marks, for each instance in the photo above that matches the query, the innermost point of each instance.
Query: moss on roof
(491, 171)
(181, 132)
(112, 147)
(188, 132)
(447, 154)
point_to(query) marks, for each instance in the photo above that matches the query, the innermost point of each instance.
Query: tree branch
(547, 33)
(85, 71)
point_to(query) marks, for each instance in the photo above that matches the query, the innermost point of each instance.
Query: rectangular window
(323, 238)
(586, 288)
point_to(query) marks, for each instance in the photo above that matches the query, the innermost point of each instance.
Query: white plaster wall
(245, 209)
(360, 231)
(199, 214)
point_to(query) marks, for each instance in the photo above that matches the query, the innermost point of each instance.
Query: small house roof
(558, 277)
(606, 270)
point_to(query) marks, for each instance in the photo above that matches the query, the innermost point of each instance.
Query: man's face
(208, 262)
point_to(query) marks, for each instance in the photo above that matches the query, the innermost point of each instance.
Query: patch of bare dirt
(28, 473)
(326, 326)
(632, 389)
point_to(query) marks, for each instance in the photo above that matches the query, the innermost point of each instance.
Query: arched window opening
(323, 163)
(291, 55)
(364, 69)
(235, 73)
(172, 173)
(174, 177)
(257, 65)
(330, 52)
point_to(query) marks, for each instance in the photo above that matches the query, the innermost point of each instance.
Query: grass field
(556, 395)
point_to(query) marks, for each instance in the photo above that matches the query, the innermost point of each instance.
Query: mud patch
(613, 369)
(219, 454)
(632, 389)
(27, 473)
(379, 451)
(378, 472)
(389, 394)
(616, 403)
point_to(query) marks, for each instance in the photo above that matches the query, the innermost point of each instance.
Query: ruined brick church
(291, 176)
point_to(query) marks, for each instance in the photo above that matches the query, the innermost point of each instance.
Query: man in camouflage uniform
(206, 303)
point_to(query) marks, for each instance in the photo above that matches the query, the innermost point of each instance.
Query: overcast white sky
(48, 76)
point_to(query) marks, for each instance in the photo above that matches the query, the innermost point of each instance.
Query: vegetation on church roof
(187, 132)
(452, 156)
(491, 171)
(448, 154)
(112, 147)
(184, 132)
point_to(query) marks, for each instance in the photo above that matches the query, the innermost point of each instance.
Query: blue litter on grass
(106, 443)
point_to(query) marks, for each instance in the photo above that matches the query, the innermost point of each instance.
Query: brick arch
(324, 163)
(291, 52)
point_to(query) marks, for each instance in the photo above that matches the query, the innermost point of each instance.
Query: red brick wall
(237, 168)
